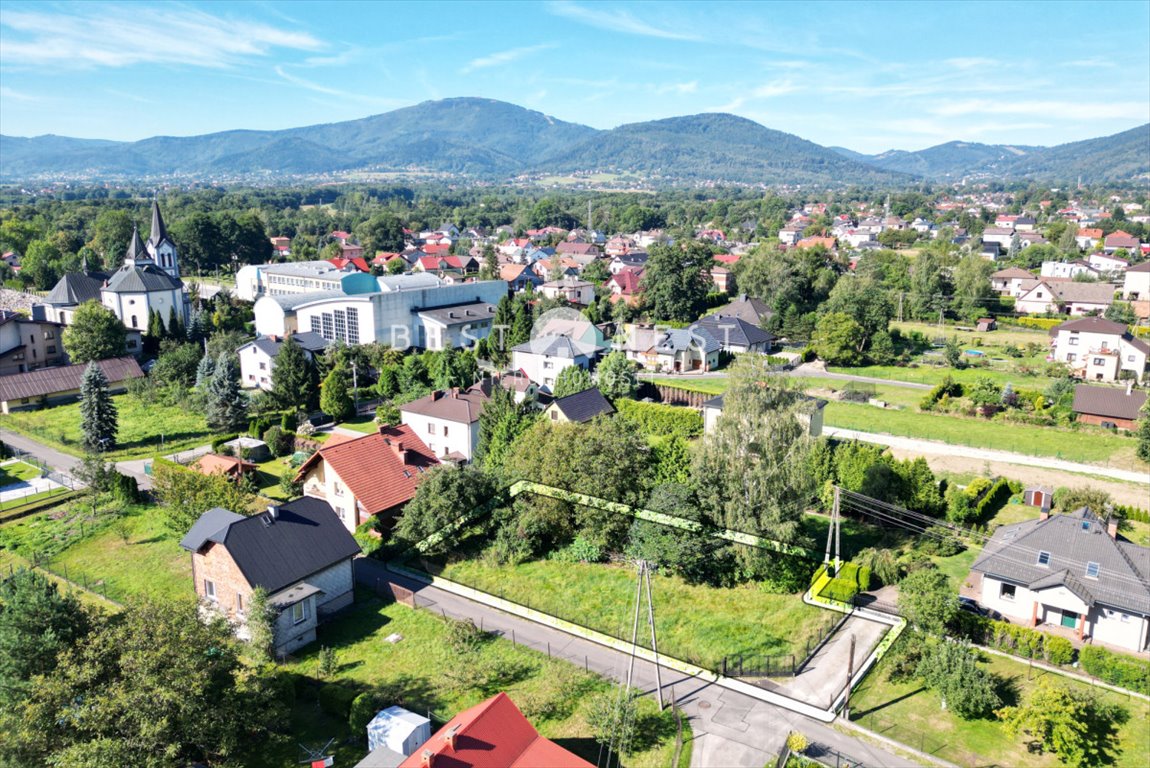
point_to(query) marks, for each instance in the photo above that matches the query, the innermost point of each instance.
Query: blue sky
(868, 76)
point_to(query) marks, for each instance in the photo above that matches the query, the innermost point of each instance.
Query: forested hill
(489, 139)
(1122, 157)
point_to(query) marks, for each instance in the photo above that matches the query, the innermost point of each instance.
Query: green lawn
(710, 386)
(10, 561)
(957, 567)
(140, 558)
(1000, 338)
(16, 471)
(927, 374)
(417, 671)
(141, 427)
(1085, 445)
(695, 623)
(364, 424)
(906, 712)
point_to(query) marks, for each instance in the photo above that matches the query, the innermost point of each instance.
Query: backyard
(907, 712)
(146, 429)
(419, 672)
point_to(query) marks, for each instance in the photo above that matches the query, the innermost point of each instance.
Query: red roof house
(493, 734)
(373, 475)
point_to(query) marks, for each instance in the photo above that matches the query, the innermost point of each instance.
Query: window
(315, 324)
(299, 613)
(1092, 570)
(1105, 345)
(1071, 357)
(548, 365)
(1006, 591)
(239, 603)
(263, 366)
(352, 325)
(210, 590)
(1044, 558)
(337, 488)
(430, 428)
(134, 323)
(554, 415)
(49, 335)
(1085, 525)
(1074, 341)
(52, 350)
(1125, 618)
(445, 430)
(1130, 358)
(1099, 361)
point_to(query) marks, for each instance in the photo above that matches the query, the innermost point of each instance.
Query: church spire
(159, 232)
(136, 251)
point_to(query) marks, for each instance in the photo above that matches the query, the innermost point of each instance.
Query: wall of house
(443, 437)
(291, 636)
(1054, 602)
(1117, 627)
(215, 563)
(543, 369)
(1021, 608)
(322, 482)
(337, 584)
(1136, 285)
(255, 368)
(1089, 418)
(1123, 355)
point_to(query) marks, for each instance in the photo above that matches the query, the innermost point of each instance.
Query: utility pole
(901, 294)
(354, 388)
(646, 571)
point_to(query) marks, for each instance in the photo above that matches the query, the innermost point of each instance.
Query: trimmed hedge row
(995, 496)
(659, 419)
(1116, 669)
(1135, 514)
(1042, 323)
(1016, 639)
(844, 585)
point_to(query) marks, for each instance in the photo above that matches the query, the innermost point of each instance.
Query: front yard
(907, 712)
(422, 673)
(146, 429)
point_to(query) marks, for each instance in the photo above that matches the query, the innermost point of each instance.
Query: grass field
(695, 623)
(927, 374)
(709, 386)
(417, 670)
(1090, 446)
(1000, 338)
(141, 427)
(14, 472)
(907, 712)
(364, 424)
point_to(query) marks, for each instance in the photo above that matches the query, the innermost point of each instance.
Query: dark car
(971, 605)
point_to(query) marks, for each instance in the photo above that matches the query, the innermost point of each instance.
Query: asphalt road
(730, 729)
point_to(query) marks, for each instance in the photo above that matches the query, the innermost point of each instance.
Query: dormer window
(1092, 570)
(1044, 558)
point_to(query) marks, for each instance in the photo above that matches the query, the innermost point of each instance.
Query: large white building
(1098, 350)
(405, 310)
(300, 277)
(148, 281)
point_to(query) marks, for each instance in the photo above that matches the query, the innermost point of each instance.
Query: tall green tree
(41, 264)
(927, 600)
(185, 494)
(111, 233)
(335, 396)
(204, 371)
(227, 407)
(490, 268)
(952, 669)
(382, 232)
(616, 376)
(571, 380)
(972, 289)
(155, 333)
(1144, 433)
(98, 418)
(445, 493)
(751, 471)
(839, 339)
(864, 301)
(1072, 724)
(95, 334)
(37, 622)
(500, 425)
(159, 686)
(677, 280)
(293, 377)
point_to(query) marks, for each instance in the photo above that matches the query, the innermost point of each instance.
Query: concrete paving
(730, 729)
(824, 677)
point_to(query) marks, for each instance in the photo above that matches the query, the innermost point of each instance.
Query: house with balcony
(1069, 572)
(1096, 349)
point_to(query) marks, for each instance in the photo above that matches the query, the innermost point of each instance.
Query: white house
(257, 358)
(811, 417)
(1108, 263)
(1071, 571)
(677, 349)
(1099, 350)
(447, 422)
(572, 289)
(1068, 269)
(1009, 281)
(1065, 296)
(543, 358)
(1136, 284)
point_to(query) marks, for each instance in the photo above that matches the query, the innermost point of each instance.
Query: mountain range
(484, 138)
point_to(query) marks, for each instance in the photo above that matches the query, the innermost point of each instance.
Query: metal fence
(784, 665)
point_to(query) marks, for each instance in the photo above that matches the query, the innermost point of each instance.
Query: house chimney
(436, 395)
(1045, 513)
(273, 512)
(1112, 527)
(455, 393)
(427, 758)
(1129, 387)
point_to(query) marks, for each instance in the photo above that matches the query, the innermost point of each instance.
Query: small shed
(250, 449)
(986, 324)
(398, 730)
(1041, 496)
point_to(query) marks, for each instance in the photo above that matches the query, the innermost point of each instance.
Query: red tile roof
(493, 734)
(628, 281)
(372, 468)
(727, 258)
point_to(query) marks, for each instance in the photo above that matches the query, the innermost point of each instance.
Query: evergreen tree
(1144, 433)
(501, 329)
(572, 380)
(175, 327)
(500, 425)
(198, 325)
(97, 411)
(293, 377)
(490, 268)
(204, 372)
(335, 399)
(617, 376)
(227, 409)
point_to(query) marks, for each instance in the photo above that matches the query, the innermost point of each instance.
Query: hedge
(995, 496)
(1016, 639)
(218, 442)
(659, 419)
(848, 582)
(1116, 669)
(1132, 513)
(336, 700)
(1042, 323)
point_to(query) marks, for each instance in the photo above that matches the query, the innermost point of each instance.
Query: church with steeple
(148, 280)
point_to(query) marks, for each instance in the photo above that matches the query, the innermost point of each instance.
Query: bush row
(1132, 513)
(1042, 323)
(848, 582)
(1116, 669)
(1016, 639)
(994, 497)
(658, 419)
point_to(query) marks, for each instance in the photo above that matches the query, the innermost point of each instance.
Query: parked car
(970, 605)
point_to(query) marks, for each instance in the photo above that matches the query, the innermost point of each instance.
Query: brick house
(298, 552)
(1108, 406)
(370, 476)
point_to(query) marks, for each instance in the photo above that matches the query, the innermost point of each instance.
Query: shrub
(336, 700)
(658, 419)
(218, 442)
(280, 443)
(797, 742)
(367, 536)
(1042, 323)
(361, 712)
(579, 551)
(1058, 650)
(1116, 669)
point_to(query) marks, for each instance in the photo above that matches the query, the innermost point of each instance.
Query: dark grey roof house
(735, 334)
(751, 310)
(580, 407)
(1118, 406)
(1072, 571)
(300, 553)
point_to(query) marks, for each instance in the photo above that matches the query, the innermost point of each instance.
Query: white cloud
(1094, 62)
(1057, 110)
(9, 93)
(971, 62)
(503, 57)
(614, 20)
(679, 88)
(320, 88)
(102, 36)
